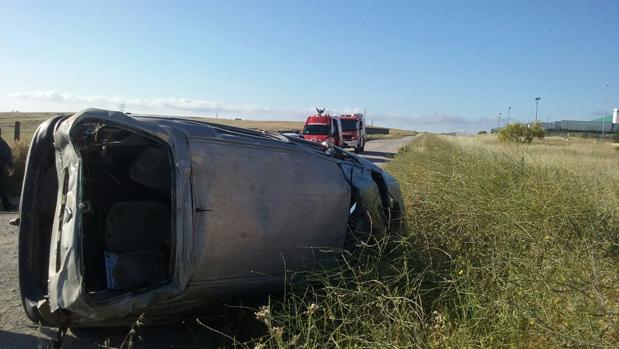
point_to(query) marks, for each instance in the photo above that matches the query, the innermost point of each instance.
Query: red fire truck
(323, 128)
(353, 131)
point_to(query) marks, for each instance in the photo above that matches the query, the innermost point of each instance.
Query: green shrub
(521, 133)
(482, 132)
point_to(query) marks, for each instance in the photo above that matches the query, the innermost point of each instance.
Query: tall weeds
(504, 247)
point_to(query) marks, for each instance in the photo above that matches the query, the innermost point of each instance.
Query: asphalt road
(16, 331)
(380, 151)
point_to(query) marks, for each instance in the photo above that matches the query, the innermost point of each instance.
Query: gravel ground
(16, 331)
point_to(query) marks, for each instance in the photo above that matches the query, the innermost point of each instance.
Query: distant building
(581, 126)
(609, 123)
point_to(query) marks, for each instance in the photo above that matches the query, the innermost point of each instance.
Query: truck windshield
(316, 130)
(349, 125)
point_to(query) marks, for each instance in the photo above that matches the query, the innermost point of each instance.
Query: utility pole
(536, 105)
(509, 110)
(604, 115)
(498, 126)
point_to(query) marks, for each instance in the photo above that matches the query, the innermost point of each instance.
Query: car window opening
(349, 125)
(127, 230)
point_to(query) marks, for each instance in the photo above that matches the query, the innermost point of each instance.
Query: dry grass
(274, 126)
(587, 157)
(29, 123)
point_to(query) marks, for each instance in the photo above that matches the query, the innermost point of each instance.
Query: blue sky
(429, 65)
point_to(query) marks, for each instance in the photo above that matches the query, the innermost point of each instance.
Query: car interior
(128, 221)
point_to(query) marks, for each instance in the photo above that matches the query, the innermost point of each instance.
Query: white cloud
(158, 105)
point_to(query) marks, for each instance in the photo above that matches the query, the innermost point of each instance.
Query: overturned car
(127, 215)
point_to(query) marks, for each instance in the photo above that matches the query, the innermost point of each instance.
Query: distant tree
(482, 132)
(521, 133)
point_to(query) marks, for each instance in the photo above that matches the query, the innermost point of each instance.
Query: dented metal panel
(262, 209)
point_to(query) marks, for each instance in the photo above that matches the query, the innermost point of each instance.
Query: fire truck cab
(323, 128)
(353, 131)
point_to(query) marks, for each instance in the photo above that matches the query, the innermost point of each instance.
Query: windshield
(349, 125)
(316, 130)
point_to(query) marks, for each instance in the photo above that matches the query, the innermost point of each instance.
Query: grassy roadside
(506, 246)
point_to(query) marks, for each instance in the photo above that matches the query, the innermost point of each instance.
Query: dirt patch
(16, 331)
